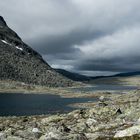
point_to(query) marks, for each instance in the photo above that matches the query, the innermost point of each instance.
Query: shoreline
(114, 117)
(104, 120)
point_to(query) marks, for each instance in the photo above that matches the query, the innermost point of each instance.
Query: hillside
(131, 78)
(19, 62)
(73, 76)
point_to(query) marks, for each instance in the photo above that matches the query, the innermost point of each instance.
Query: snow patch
(19, 48)
(6, 42)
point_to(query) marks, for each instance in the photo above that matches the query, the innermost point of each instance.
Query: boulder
(134, 130)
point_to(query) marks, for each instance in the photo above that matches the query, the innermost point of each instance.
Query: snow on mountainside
(19, 62)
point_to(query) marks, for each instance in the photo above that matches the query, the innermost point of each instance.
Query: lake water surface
(104, 87)
(36, 104)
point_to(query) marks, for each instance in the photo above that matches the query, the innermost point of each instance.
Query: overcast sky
(92, 37)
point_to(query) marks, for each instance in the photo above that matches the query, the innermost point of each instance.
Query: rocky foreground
(115, 118)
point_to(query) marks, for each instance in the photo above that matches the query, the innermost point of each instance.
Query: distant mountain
(83, 78)
(125, 74)
(73, 76)
(128, 74)
(20, 62)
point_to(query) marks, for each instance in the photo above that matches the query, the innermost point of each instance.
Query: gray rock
(91, 121)
(35, 130)
(13, 138)
(128, 132)
(2, 136)
(53, 136)
(25, 134)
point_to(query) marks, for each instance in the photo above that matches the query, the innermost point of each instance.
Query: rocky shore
(114, 117)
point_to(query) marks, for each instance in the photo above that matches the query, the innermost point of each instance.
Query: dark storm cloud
(113, 66)
(64, 43)
(119, 52)
(84, 36)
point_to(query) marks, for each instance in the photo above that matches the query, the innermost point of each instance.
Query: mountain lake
(17, 104)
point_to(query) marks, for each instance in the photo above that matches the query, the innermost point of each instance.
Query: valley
(38, 102)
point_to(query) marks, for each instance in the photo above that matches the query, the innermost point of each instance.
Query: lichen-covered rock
(13, 138)
(134, 130)
(24, 134)
(91, 122)
(2, 136)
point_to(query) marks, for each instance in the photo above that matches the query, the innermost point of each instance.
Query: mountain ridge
(19, 62)
(78, 77)
(2, 21)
